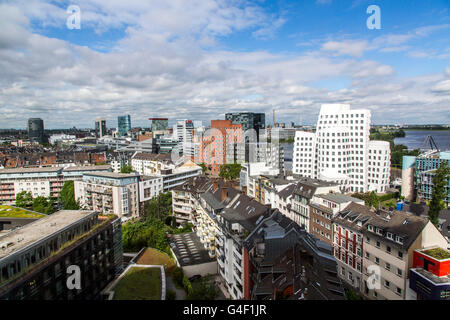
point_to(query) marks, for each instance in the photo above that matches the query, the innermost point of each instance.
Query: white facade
(109, 193)
(172, 175)
(339, 151)
(149, 188)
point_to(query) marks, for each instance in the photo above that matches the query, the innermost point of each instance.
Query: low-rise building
(173, 174)
(430, 274)
(41, 181)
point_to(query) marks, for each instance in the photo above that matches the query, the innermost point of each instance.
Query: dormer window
(379, 231)
(370, 227)
(390, 236)
(399, 239)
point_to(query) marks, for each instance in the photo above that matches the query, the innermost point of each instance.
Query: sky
(199, 59)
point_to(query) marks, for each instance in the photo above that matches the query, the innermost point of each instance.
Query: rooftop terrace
(14, 212)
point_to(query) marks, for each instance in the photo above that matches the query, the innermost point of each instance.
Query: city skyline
(179, 60)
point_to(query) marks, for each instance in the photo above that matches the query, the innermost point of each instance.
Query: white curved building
(340, 151)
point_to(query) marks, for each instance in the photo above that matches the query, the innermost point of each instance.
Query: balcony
(237, 252)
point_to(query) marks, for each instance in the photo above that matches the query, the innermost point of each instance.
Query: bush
(171, 295)
(177, 276)
(187, 286)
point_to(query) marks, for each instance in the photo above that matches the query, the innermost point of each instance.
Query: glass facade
(123, 124)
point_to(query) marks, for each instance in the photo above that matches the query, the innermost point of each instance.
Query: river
(414, 139)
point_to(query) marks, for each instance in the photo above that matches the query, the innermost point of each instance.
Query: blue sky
(199, 59)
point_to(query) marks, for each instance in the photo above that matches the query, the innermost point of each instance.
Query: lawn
(13, 212)
(155, 257)
(438, 253)
(139, 284)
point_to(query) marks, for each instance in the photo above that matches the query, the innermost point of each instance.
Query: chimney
(224, 193)
(215, 184)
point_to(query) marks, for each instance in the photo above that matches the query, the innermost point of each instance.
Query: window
(388, 266)
(400, 255)
(343, 271)
(399, 291)
(399, 272)
(377, 260)
(367, 255)
(388, 249)
(378, 244)
(387, 283)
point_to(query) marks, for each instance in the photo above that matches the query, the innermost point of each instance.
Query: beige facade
(394, 262)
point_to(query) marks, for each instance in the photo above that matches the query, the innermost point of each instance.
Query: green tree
(24, 199)
(67, 197)
(230, 171)
(439, 192)
(126, 169)
(203, 289)
(43, 205)
(204, 168)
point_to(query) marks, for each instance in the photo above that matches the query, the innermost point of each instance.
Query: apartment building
(364, 239)
(348, 237)
(282, 261)
(251, 170)
(323, 209)
(110, 193)
(34, 259)
(305, 190)
(185, 197)
(340, 151)
(234, 223)
(150, 187)
(172, 174)
(390, 240)
(41, 181)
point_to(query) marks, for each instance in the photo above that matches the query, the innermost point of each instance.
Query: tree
(203, 289)
(24, 199)
(126, 169)
(439, 192)
(204, 168)
(43, 205)
(67, 197)
(230, 171)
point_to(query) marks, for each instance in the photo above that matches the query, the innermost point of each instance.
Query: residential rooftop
(114, 175)
(22, 237)
(338, 198)
(189, 250)
(15, 212)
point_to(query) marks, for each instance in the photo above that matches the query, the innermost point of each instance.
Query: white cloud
(347, 47)
(161, 68)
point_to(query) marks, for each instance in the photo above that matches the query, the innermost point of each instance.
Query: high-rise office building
(248, 120)
(159, 124)
(123, 124)
(100, 127)
(222, 144)
(183, 131)
(36, 130)
(340, 151)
